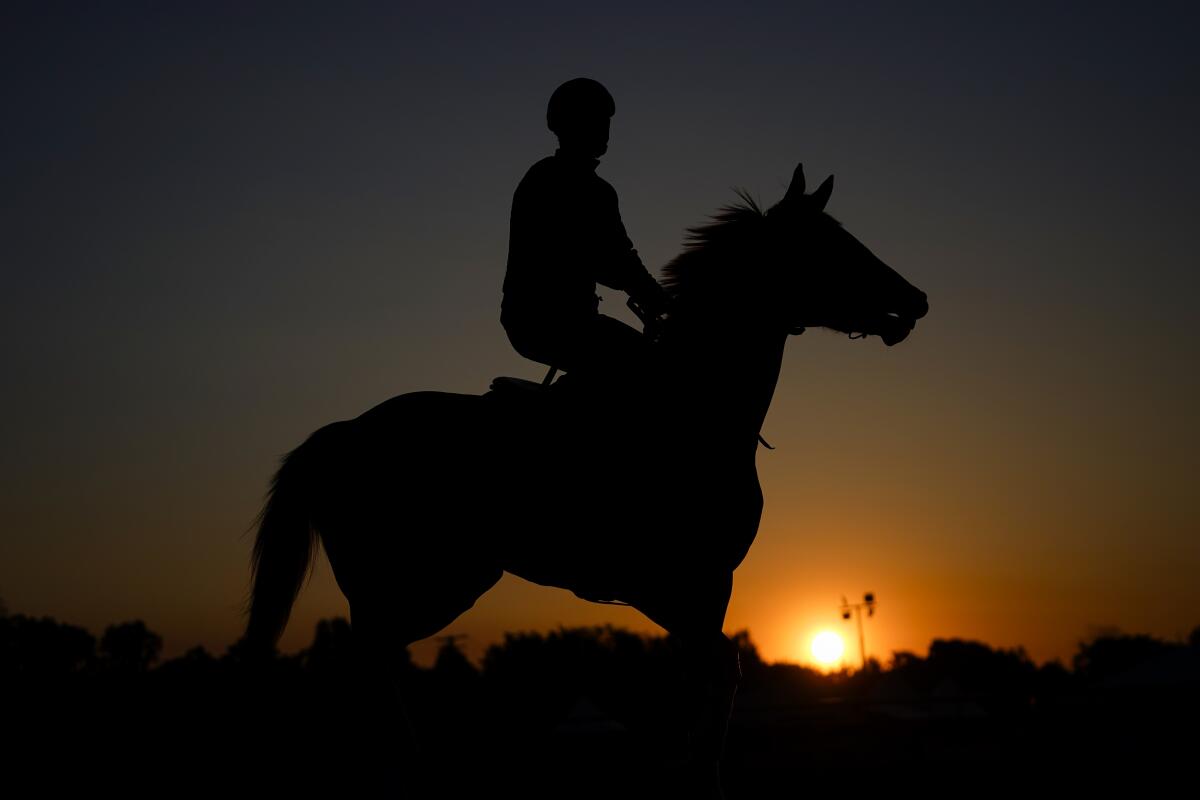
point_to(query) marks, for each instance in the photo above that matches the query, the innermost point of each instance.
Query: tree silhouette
(452, 664)
(129, 647)
(1111, 653)
(332, 650)
(44, 647)
(196, 664)
(961, 668)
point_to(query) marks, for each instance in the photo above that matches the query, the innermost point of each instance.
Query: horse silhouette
(644, 493)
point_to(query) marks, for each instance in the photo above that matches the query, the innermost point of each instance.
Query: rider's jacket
(565, 235)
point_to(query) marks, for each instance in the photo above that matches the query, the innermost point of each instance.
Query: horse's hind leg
(385, 745)
(416, 607)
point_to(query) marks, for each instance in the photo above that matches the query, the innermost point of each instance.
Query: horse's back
(427, 406)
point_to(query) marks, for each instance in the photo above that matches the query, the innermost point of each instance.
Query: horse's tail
(285, 549)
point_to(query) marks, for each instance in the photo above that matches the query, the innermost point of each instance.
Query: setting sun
(827, 648)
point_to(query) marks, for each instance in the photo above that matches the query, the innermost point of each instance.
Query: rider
(565, 234)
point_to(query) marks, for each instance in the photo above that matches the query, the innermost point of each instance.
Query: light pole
(869, 604)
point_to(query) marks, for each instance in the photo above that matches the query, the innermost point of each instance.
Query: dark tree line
(565, 698)
(545, 673)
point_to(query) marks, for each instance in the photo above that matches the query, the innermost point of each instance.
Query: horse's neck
(724, 373)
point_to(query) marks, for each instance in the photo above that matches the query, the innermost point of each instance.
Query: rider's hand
(654, 300)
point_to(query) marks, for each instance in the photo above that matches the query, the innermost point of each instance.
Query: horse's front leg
(693, 614)
(711, 672)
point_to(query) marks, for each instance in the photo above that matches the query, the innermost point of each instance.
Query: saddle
(572, 395)
(520, 399)
(506, 387)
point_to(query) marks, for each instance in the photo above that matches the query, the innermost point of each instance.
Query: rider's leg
(597, 348)
(530, 340)
(613, 354)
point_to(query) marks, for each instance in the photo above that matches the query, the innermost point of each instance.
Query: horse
(645, 494)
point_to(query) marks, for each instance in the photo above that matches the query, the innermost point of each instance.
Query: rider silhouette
(565, 235)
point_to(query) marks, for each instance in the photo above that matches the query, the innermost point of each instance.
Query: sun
(827, 648)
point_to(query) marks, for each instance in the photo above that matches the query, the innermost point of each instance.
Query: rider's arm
(620, 267)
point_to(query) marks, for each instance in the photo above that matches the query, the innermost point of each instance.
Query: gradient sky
(224, 227)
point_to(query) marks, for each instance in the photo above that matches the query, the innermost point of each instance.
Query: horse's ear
(796, 190)
(821, 196)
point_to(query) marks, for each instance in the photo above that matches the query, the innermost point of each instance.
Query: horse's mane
(706, 247)
(703, 244)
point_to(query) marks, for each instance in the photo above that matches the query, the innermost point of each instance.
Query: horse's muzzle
(895, 329)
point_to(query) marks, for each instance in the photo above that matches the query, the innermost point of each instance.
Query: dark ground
(138, 744)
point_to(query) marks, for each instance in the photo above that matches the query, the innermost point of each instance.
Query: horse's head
(824, 277)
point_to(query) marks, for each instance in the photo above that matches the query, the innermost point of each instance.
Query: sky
(224, 227)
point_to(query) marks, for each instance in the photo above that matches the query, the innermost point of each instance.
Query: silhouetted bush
(622, 673)
(331, 653)
(129, 647)
(956, 669)
(1111, 654)
(44, 647)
